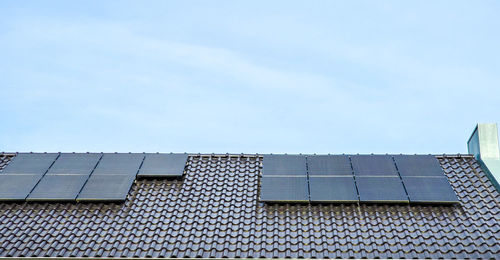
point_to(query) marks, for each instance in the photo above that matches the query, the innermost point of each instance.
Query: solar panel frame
(418, 165)
(74, 163)
(163, 165)
(430, 190)
(119, 164)
(329, 165)
(16, 187)
(106, 188)
(30, 163)
(338, 189)
(381, 190)
(373, 165)
(58, 188)
(284, 189)
(284, 165)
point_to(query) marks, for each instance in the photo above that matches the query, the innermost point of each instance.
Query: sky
(247, 76)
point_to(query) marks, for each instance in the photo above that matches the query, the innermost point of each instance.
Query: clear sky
(251, 77)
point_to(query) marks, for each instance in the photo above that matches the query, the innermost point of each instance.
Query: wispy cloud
(292, 82)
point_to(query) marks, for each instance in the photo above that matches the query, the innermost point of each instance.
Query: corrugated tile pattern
(4, 160)
(214, 212)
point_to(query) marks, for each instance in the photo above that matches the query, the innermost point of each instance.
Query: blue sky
(251, 77)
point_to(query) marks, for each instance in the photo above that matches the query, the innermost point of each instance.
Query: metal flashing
(483, 142)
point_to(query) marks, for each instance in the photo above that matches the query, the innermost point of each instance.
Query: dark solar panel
(284, 165)
(75, 163)
(106, 188)
(381, 190)
(435, 190)
(418, 165)
(284, 189)
(16, 187)
(373, 165)
(329, 165)
(163, 165)
(30, 163)
(119, 163)
(58, 188)
(333, 189)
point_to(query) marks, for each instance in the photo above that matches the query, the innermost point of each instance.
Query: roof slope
(214, 212)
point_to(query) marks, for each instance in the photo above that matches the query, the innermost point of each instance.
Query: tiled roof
(214, 212)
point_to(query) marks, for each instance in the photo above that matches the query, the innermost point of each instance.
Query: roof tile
(214, 212)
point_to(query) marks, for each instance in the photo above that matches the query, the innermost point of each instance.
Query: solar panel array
(424, 179)
(412, 179)
(83, 176)
(331, 179)
(378, 179)
(23, 173)
(163, 165)
(284, 178)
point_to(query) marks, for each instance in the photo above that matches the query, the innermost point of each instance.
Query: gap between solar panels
(83, 177)
(414, 179)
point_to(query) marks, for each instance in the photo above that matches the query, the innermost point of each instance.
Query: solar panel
(163, 165)
(58, 188)
(333, 189)
(16, 187)
(106, 188)
(373, 165)
(119, 163)
(381, 190)
(329, 165)
(418, 165)
(30, 163)
(284, 189)
(435, 190)
(284, 165)
(75, 163)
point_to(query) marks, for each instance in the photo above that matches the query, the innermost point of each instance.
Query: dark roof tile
(214, 212)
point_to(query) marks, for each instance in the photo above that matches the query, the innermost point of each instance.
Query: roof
(214, 212)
